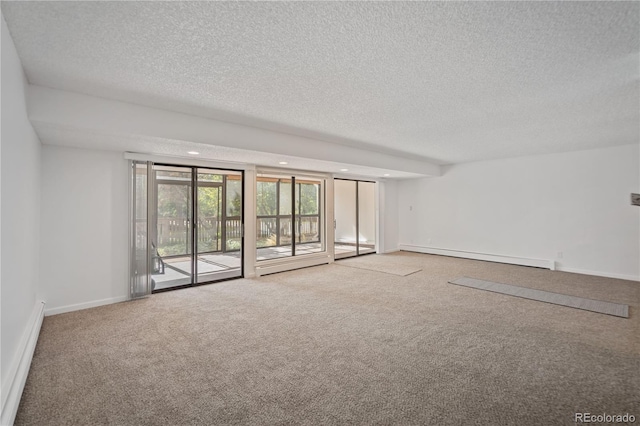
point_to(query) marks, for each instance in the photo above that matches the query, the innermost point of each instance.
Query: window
(289, 216)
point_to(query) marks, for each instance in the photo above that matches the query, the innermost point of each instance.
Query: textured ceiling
(451, 81)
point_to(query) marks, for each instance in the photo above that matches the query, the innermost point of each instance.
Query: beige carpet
(336, 345)
(389, 264)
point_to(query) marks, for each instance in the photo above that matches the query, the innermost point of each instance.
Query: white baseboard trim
(523, 261)
(13, 383)
(394, 250)
(598, 274)
(85, 305)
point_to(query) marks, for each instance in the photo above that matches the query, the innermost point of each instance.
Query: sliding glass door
(355, 218)
(188, 225)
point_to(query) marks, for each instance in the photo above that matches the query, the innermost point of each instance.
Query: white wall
(576, 203)
(20, 211)
(84, 221)
(389, 216)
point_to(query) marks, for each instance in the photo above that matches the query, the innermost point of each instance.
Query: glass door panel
(267, 212)
(308, 208)
(233, 208)
(171, 240)
(274, 216)
(346, 236)
(366, 218)
(209, 218)
(284, 214)
(219, 230)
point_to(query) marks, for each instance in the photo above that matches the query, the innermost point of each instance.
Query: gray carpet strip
(599, 306)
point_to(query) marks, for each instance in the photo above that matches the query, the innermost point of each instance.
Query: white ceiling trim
(99, 116)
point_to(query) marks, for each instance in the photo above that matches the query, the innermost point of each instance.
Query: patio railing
(275, 231)
(173, 236)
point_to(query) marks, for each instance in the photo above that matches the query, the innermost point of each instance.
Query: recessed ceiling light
(386, 174)
(283, 162)
(344, 170)
(193, 153)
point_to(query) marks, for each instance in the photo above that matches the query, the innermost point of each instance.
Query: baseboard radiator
(13, 383)
(523, 261)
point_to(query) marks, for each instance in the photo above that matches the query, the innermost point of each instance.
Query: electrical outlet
(560, 255)
(410, 208)
(635, 199)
